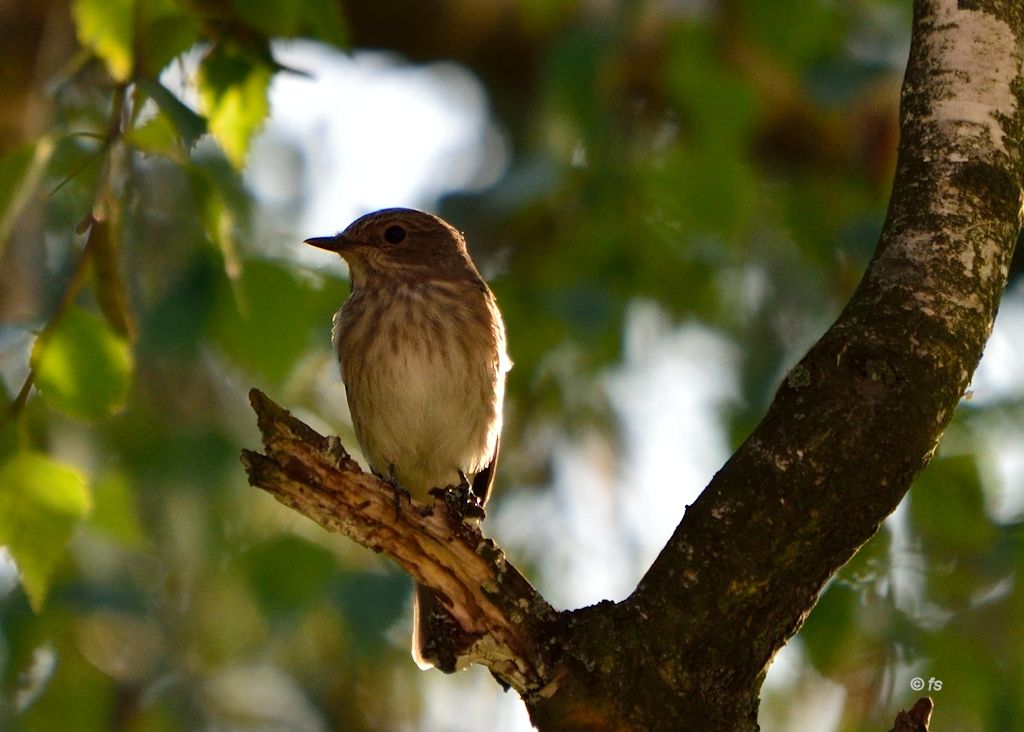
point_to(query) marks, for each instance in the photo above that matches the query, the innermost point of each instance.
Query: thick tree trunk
(851, 427)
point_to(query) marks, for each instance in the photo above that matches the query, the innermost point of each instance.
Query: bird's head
(399, 244)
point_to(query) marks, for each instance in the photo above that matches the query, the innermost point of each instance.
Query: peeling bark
(499, 620)
(850, 428)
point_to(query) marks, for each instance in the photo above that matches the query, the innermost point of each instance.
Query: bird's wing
(483, 480)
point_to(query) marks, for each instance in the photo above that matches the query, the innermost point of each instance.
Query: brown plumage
(421, 346)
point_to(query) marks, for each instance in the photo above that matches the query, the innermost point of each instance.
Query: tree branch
(500, 619)
(856, 420)
(917, 719)
(850, 428)
(861, 415)
(95, 223)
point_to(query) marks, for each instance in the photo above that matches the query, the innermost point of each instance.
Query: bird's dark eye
(394, 234)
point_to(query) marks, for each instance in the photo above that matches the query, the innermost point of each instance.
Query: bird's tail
(423, 650)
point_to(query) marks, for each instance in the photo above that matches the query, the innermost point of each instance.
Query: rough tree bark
(850, 428)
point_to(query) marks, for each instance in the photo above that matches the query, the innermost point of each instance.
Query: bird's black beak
(330, 243)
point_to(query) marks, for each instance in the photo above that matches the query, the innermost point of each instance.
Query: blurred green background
(671, 199)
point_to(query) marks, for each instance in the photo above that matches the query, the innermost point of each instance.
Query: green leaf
(188, 125)
(114, 514)
(156, 136)
(797, 32)
(41, 501)
(105, 27)
(947, 508)
(272, 316)
(371, 603)
(318, 19)
(165, 31)
(831, 626)
(233, 88)
(83, 368)
(111, 293)
(20, 171)
(225, 208)
(287, 573)
(953, 530)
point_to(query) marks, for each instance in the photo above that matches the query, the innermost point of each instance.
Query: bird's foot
(397, 489)
(336, 450)
(461, 499)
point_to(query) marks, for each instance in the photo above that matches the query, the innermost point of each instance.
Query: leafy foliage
(20, 172)
(730, 167)
(97, 390)
(40, 502)
(294, 319)
(234, 93)
(107, 29)
(176, 120)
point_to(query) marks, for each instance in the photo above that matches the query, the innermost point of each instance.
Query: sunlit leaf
(83, 368)
(111, 293)
(41, 501)
(156, 136)
(233, 88)
(20, 171)
(188, 125)
(105, 26)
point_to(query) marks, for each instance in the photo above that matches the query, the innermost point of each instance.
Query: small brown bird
(421, 346)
